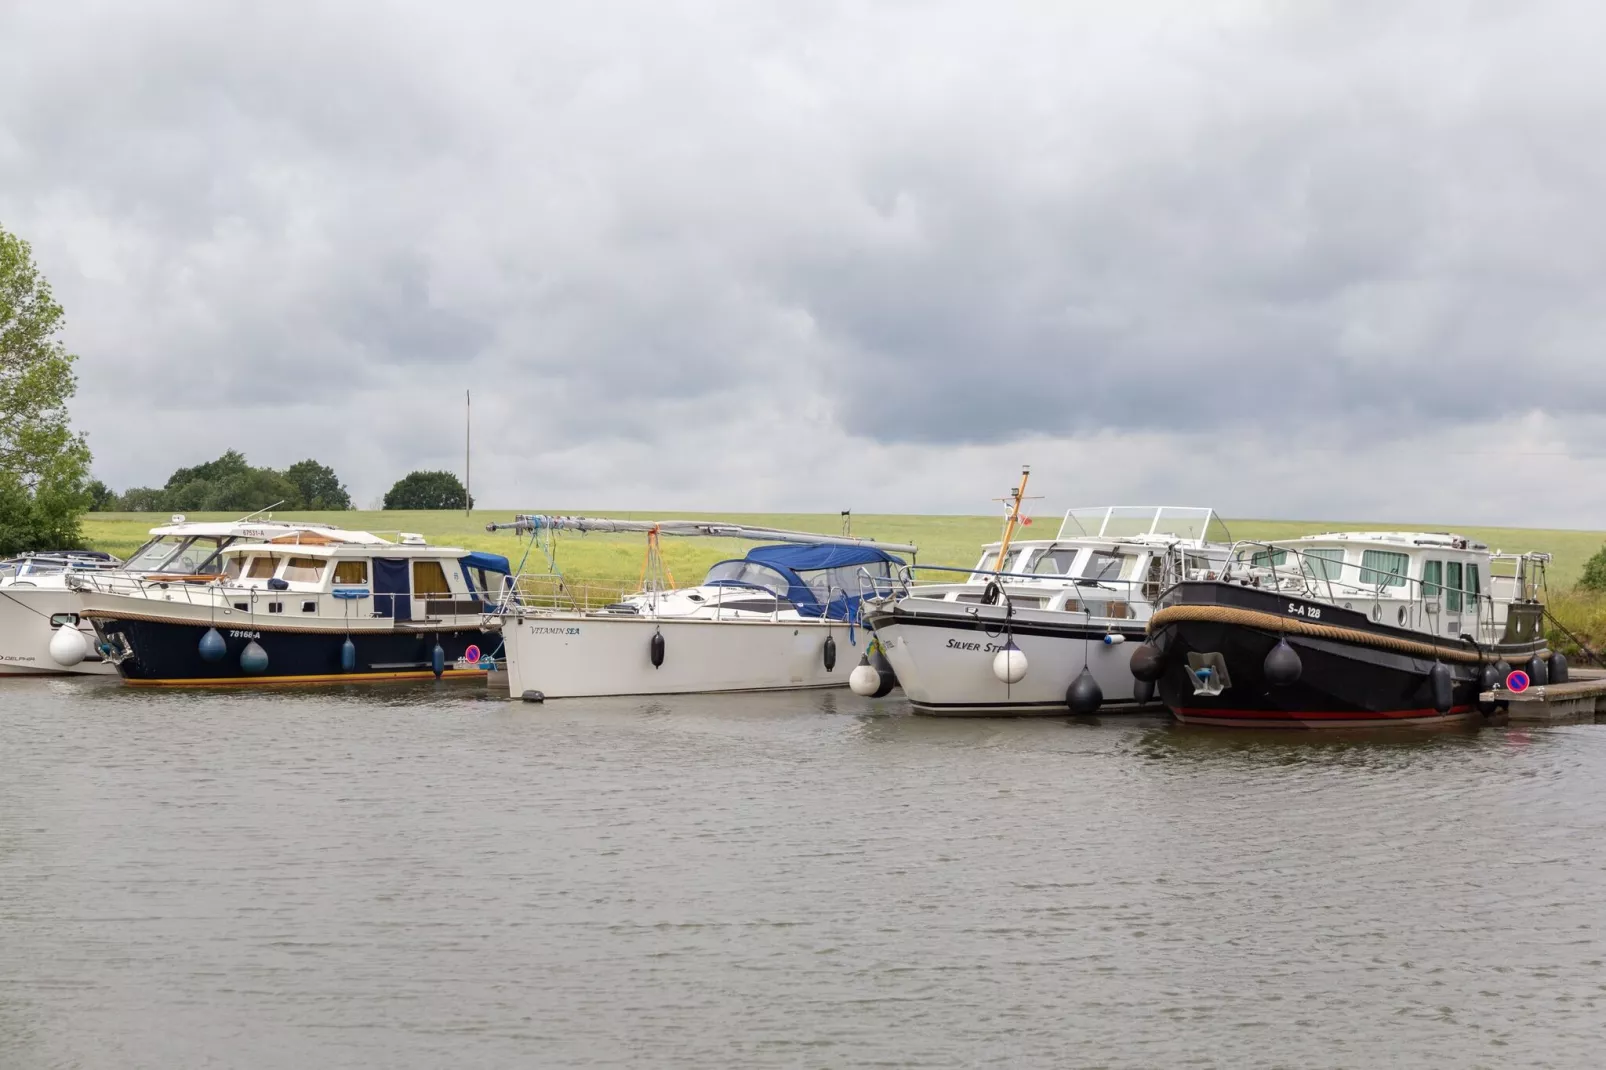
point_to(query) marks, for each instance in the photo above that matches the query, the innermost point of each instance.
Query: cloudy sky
(1317, 260)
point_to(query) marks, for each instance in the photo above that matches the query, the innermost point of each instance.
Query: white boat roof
(341, 548)
(1409, 540)
(265, 530)
(1144, 523)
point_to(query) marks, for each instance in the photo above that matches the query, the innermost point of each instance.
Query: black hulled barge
(1347, 630)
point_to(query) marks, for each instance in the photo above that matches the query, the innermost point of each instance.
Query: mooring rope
(1274, 622)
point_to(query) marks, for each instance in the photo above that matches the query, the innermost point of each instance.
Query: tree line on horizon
(231, 484)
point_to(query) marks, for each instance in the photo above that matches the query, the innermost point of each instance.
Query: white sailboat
(784, 616)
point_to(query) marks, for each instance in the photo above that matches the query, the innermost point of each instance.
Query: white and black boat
(309, 606)
(784, 616)
(1349, 629)
(1040, 626)
(42, 630)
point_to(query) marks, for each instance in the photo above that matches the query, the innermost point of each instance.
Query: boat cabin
(1435, 582)
(194, 548)
(1110, 561)
(311, 573)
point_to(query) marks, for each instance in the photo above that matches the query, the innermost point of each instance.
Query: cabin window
(750, 572)
(1473, 588)
(1054, 563)
(989, 562)
(1452, 582)
(844, 580)
(1275, 558)
(1103, 565)
(1325, 564)
(1432, 578)
(429, 579)
(353, 572)
(303, 569)
(262, 568)
(1383, 568)
(232, 567)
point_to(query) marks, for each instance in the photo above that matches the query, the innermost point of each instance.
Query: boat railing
(1415, 601)
(1133, 593)
(552, 591)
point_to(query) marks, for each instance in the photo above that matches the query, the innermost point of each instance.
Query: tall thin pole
(468, 496)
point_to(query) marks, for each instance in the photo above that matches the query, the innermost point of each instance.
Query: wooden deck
(1582, 699)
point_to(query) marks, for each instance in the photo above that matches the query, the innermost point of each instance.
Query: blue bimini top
(820, 580)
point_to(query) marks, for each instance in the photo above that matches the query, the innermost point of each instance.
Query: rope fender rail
(1274, 622)
(238, 623)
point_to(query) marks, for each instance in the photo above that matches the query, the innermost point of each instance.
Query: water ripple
(417, 876)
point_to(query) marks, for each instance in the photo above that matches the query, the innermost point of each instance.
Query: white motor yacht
(1041, 626)
(302, 606)
(37, 605)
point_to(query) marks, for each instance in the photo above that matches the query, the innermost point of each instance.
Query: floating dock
(1582, 699)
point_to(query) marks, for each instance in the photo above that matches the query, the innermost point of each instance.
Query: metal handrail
(1244, 567)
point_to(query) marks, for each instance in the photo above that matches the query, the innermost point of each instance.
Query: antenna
(264, 509)
(468, 497)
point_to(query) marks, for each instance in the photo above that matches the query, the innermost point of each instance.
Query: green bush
(1594, 577)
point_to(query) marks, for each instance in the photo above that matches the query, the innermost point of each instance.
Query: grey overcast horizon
(1314, 260)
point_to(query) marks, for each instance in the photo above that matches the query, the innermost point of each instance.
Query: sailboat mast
(468, 483)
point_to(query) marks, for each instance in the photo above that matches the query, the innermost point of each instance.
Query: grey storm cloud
(674, 232)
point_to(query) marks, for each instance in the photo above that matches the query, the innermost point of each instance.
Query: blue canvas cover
(790, 560)
(480, 559)
(809, 558)
(392, 588)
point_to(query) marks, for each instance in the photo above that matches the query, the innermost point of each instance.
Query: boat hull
(943, 652)
(579, 655)
(26, 631)
(167, 653)
(1353, 673)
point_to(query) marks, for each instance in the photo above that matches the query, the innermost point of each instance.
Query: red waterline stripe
(1317, 715)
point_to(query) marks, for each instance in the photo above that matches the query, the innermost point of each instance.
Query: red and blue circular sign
(1517, 681)
(472, 655)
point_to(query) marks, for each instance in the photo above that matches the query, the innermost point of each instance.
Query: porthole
(1348, 606)
(1399, 615)
(1377, 612)
(309, 607)
(58, 619)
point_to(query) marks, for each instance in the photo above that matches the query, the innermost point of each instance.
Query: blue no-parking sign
(1517, 681)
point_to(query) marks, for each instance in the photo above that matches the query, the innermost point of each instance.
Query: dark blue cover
(392, 588)
(480, 559)
(790, 559)
(808, 558)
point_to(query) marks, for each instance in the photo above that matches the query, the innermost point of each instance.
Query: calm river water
(420, 876)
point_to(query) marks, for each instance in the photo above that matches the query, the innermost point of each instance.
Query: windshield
(749, 572)
(1054, 563)
(183, 554)
(148, 557)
